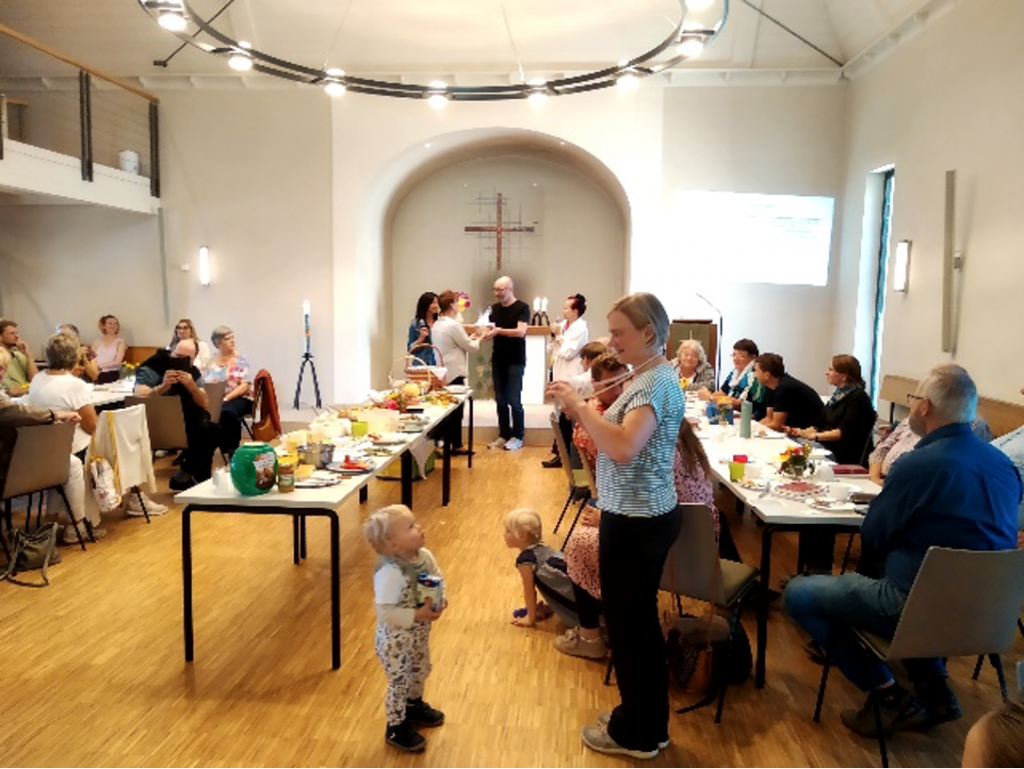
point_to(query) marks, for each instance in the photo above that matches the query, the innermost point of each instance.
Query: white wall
(782, 140)
(578, 246)
(948, 99)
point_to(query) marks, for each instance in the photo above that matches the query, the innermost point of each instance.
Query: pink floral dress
(582, 548)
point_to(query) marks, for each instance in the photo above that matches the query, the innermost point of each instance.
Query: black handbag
(31, 552)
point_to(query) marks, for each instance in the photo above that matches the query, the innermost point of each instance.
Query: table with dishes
(749, 469)
(345, 469)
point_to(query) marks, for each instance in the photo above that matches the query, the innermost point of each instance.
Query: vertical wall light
(901, 267)
(204, 266)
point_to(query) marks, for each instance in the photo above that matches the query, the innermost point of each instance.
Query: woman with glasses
(186, 330)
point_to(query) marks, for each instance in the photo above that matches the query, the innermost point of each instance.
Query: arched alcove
(574, 189)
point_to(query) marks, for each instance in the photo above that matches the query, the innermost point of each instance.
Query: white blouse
(565, 351)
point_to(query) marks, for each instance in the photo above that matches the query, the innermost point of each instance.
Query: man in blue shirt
(952, 490)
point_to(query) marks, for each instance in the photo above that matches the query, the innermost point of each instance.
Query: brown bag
(266, 420)
(691, 665)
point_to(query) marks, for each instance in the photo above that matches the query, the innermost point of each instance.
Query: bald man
(511, 317)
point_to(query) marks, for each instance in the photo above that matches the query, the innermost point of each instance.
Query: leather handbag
(33, 551)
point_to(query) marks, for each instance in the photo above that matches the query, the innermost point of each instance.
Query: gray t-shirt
(644, 486)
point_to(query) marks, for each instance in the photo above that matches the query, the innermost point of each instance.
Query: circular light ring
(268, 64)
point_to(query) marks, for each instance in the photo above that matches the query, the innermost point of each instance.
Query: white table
(101, 395)
(299, 504)
(777, 514)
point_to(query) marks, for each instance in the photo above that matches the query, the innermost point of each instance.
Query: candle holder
(540, 318)
(307, 357)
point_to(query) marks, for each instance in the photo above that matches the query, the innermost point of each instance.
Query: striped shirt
(644, 486)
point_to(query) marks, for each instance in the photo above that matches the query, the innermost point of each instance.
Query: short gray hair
(952, 393)
(62, 351)
(696, 346)
(218, 334)
(643, 309)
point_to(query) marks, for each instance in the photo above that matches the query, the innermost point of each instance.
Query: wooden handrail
(5, 30)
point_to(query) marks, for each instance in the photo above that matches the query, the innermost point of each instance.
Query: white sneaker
(513, 445)
(133, 508)
(497, 443)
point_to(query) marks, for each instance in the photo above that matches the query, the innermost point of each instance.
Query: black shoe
(181, 481)
(404, 737)
(900, 712)
(815, 652)
(553, 462)
(461, 452)
(938, 700)
(420, 713)
(178, 459)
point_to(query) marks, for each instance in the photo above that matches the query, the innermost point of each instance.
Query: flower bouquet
(796, 461)
(462, 304)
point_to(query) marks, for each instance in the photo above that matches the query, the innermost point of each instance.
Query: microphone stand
(721, 332)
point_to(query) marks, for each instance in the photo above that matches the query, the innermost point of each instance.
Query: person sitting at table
(230, 367)
(58, 389)
(846, 422)
(952, 491)
(110, 350)
(184, 329)
(695, 373)
(902, 439)
(790, 402)
(172, 373)
(22, 366)
(584, 382)
(427, 311)
(455, 345)
(740, 384)
(1012, 444)
(86, 368)
(15, 415)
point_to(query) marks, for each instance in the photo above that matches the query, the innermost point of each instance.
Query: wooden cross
(500, 227)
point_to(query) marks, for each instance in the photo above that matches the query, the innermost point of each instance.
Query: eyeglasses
(182, 328)
(911, 398)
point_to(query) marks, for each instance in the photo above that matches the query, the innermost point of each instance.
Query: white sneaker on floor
(497, 443)
(514, 445)
(133, 508)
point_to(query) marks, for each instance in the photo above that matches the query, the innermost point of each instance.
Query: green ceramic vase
(254, 469)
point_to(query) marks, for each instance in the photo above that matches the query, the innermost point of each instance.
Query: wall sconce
(901, 268)
(204, 266)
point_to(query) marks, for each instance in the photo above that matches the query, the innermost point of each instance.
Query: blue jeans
(508, 393)
(827, 607)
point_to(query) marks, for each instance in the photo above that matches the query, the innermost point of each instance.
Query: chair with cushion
(40, 462)
(984, 589)
(694, 569)
(580, 482)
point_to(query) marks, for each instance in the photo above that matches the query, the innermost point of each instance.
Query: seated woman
(228, 366)
(86, 368)
(845, 424)
(902, 439)
(186, 330)
(695, 373)
(741, 384)
(427, 311)
(693, 485)
(56, 388)
(109, 349)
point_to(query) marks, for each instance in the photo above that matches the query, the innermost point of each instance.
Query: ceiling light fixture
(688, 39)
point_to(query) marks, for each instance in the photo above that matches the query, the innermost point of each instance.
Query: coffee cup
(825, 473)
(839, 492)
(752, 472)
(736, 471)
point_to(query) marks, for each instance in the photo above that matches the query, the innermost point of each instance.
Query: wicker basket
(415, 370)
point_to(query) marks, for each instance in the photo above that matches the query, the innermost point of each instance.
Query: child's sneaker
(404, 737)
(420, 713)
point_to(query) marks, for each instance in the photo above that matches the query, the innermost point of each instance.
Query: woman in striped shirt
(640, 520)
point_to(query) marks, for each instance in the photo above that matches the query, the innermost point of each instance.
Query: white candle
(544, 304)
(536, 304)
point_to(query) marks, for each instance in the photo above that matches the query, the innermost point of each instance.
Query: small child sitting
(542, 569)
(406, 585)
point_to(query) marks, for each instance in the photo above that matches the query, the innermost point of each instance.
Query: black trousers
(588, 608)
(632, 555)
(454, 436)
(231, 415)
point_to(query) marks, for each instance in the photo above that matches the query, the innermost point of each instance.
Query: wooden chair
(165, 419)
(695, 570)
(580, 482)
(40, 463)
(983, 589)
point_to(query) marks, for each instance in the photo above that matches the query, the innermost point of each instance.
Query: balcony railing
(52, 101)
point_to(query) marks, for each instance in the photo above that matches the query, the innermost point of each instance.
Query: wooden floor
(92, 669)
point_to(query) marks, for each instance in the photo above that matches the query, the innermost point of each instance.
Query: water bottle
(711, 410)
(746, 413)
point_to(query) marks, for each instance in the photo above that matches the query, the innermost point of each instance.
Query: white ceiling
(424, 38)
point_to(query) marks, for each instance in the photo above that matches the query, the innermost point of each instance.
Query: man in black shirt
(510, 317)
(791, 403)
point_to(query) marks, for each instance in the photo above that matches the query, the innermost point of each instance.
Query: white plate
(390, 439)
(457, 389)
(818, 454)
(830, 505)
(770, 435)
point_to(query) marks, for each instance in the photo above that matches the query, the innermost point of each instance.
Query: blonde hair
(377, 526)
(697, 347)
(524, 524)
(642, 310)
